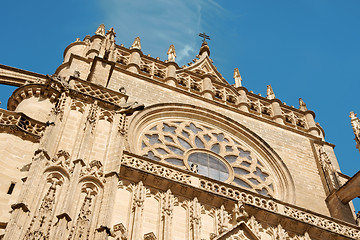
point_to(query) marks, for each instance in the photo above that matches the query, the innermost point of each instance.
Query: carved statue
(194, 168)
(239, 212)
(55, 78)
(358, 218)
(269, 92)
(136, 44)
(302, 105)
(237, 78)
(328, 169)
(129, 108)
(171, 53)
(101, 30)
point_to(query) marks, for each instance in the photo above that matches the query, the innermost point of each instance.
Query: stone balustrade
(239, 194)
(21, 125)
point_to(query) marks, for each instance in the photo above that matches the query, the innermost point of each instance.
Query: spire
(237, 78)
(269, 92)
(204, 46)
(302, 105)
(171, 53)
(111, 34)
(355, 123)
(136, 44)
(101, 30)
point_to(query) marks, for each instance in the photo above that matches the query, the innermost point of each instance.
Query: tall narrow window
(11, 188)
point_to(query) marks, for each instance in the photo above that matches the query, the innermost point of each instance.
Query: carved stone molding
(322, 222)
(156, 169)
(21, 125)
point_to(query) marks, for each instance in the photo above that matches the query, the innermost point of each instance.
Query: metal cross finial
(203, 35)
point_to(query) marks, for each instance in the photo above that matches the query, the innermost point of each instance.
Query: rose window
(208, 152)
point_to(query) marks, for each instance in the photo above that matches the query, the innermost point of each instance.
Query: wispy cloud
(160, 23)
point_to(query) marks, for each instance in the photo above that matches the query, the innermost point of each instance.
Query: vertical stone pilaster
(87, 137)
(108, 199)
(137, 208)
(26, 202)
(167, 202)
(194, 213)
(61, 229)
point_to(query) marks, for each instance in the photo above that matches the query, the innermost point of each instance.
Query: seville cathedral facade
(119, 145)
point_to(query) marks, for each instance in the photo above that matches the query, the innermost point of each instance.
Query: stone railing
(20, 124)
(197, 82)
(243, 100)
(238, 194)
(321, 222)
(152, 68)
(281, 208)
(156, 169)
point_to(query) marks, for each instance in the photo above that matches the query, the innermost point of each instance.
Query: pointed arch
(284, 188)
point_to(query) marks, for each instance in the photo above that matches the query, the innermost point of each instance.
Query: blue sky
(308, 49)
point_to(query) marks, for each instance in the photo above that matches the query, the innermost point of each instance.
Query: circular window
(208, 151)
(208, 165)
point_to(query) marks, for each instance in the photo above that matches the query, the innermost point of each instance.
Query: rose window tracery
(209, 152)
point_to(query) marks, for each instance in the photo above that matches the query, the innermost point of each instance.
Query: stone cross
(203, 35)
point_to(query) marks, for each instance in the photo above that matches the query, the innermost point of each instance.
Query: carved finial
(302, 105)
(171, 53)
(136, 44)
(269, 92)
(101, 30)
(237, 78)
(355, 123)
(111, 34)
(353, 116)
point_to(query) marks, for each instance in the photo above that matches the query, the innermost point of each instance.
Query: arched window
(215, 154)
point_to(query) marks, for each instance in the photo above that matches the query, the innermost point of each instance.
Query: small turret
(355, 123)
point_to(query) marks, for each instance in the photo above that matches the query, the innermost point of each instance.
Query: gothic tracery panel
(207, 151)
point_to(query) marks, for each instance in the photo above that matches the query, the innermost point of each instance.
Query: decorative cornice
(233, 193)
(21, 125)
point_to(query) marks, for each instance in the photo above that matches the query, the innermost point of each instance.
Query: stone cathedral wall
(294, 149)
(82, 158)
